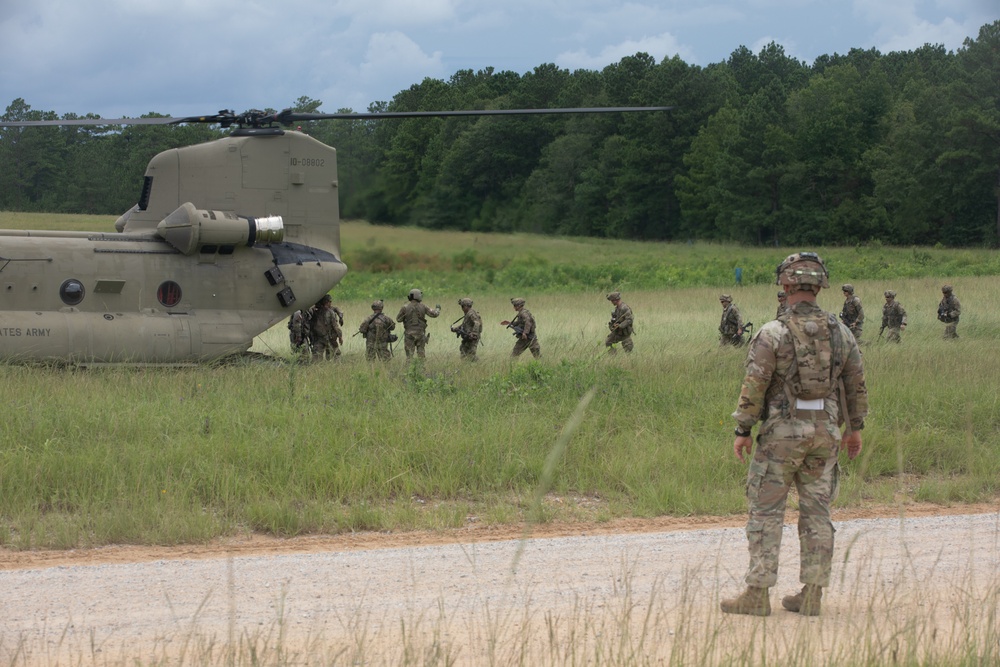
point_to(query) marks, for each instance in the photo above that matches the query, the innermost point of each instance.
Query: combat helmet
(725, 298)
(802, 268)
(615, 296)
(415, 295)
(947, 289)
(889, 294)
(465, 301)
(847, 287)
(377, 304)
(517, 301)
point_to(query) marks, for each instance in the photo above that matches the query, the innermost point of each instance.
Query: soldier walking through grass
(782, 304)
(470, 330)
(299, 329)
(949, 310)
(804, 375)
(731, 325)
(377, 331)
(893, 318)
(523, 325)
(852, 314)
(620, 325)
(326, 336)
(413, 316)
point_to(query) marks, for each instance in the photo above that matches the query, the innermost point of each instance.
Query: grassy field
(102, 456)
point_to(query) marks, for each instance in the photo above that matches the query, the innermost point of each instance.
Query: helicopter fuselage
(228, 239)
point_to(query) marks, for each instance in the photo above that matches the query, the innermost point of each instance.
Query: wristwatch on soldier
(742, 432)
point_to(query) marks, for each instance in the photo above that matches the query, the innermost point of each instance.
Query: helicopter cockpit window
(71, 292)
(169, 293)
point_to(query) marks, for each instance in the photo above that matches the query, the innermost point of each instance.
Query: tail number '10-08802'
(308, 162)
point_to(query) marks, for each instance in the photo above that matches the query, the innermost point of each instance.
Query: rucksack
(816, 368)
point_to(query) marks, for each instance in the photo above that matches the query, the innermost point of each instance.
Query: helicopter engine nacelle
(189, 229)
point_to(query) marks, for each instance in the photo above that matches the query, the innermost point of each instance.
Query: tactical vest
(818, 349)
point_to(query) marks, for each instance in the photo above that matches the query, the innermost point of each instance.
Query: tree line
(900, 148)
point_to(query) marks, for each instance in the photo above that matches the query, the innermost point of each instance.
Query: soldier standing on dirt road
(802, 371)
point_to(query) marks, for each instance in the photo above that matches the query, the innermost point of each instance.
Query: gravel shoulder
(614, 591)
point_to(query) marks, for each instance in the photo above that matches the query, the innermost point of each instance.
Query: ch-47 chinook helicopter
(226, 238)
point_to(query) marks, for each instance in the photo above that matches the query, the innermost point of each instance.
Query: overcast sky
(187, 57)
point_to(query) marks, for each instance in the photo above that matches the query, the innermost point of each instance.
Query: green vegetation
(131, 455)
(759, 149)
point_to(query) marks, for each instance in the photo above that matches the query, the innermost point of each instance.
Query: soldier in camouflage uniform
(523, 325)
(782, 304)
(470, 330)
(377, 331)
(299, 328)
(949, 310)
(620, 325)
(893, 317)
(326, 334)
(802, 371)
(413, 316)
(852, 314)
(731, 325)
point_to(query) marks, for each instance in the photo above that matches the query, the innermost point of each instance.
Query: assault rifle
(614, 324)
(459, 333)
(518, 331)
(746, 329)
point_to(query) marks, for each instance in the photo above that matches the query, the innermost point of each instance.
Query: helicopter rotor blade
(254, 118)
(91, 121)
(288, 116)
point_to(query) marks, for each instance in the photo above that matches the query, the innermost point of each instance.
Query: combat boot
(806, 602)
(754, 601)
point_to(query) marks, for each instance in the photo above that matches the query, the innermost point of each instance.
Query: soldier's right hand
(853, 442)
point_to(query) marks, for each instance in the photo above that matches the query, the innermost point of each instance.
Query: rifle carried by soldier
(458, 331)
(518, 331)
(616, 323)
(746, 329)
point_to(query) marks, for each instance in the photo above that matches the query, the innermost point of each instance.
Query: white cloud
(912, 36)
(659, 46)
(903, 25)
(390, 51)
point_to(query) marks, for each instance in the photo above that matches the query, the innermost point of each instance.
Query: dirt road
(618, 593)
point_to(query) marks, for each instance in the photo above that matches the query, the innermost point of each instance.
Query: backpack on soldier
(814, 371)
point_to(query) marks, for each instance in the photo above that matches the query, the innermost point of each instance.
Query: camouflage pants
(618, 336)
(375, 351)
(531, 344)
(728, 339)
(804, 453)
(893, 335)
(951, 331)
(856, 330)
(467, 350)
(325, 349)
(414, 342)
